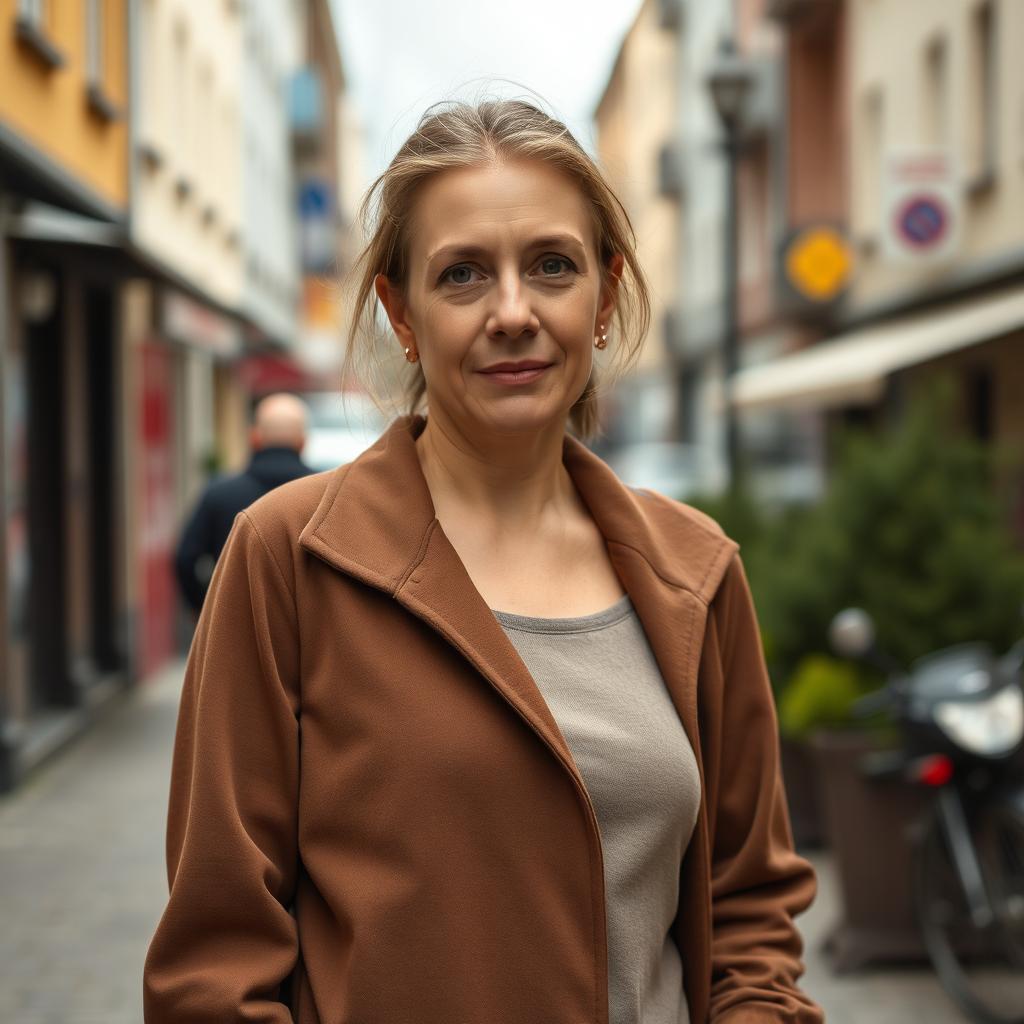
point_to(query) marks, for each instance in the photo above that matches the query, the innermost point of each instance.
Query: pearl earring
(603, 340)
(412, 358)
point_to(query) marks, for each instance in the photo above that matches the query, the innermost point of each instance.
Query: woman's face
(504, 296)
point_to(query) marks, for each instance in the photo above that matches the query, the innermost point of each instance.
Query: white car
(661, 466)
(341, 426)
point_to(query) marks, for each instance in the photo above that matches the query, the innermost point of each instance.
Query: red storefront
(157, 505)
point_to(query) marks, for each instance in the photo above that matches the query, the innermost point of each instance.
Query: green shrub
(820, 694)
(737, 512)
(910, 529)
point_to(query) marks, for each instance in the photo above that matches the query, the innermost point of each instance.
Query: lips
(516, 374)
(525, 364)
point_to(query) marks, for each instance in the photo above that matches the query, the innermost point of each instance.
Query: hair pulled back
(455, 134)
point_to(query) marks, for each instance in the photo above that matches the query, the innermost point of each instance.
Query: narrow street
(82, 880)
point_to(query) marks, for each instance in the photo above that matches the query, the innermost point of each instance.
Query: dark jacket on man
(207, 530)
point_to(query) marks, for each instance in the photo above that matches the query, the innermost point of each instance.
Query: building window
(30, 28)
(95, 52)
(151, 85)
(94, 41)
(935, 98)
(33, 11)
(670, 14)
(869, 165)
(180, 92)
(981, 99)
(754, 199)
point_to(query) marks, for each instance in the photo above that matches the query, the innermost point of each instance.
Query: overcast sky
(402, 55)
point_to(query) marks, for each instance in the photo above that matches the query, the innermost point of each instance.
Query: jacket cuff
(768, 1013)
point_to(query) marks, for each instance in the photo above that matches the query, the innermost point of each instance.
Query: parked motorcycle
(960, 713)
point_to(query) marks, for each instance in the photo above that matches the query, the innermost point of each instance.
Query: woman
(494, 727)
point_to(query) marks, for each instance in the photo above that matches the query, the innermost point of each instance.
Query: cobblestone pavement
(82, 880)
(82, 885)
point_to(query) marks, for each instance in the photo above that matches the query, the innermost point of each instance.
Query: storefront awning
(852, 368)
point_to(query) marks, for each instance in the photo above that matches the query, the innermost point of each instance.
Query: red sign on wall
(158, 598)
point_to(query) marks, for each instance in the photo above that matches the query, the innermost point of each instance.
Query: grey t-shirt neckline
(572, 624)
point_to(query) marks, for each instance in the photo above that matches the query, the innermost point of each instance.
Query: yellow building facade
(64, 198)
(64, 94)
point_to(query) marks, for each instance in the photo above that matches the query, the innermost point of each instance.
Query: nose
(513, 313)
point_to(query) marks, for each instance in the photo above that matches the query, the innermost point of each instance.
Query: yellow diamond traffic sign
(818, 262)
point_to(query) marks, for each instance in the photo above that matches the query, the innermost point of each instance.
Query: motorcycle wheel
(982, 969)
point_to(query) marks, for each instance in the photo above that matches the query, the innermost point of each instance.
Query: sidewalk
(82, 885)
(82, 880)
(875, 996)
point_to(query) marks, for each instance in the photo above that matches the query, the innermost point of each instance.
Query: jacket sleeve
(758, 882)
(226, 940)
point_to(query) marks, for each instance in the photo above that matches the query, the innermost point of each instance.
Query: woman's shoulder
(680, 519)
(280, 515)
(686, 543)
(293, 501)
(680, 512)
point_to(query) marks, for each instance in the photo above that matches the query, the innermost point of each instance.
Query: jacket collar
(376, 522)
(376, 517)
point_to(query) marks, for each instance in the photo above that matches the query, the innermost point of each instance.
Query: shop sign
(191, 323)
(318, 237)
(921, 206)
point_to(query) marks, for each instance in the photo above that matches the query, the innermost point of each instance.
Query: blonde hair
(454, 134)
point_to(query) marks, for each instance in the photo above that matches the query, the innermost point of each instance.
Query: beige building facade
(187, 204)
(944, 74)
(929, 190)
(636, 121)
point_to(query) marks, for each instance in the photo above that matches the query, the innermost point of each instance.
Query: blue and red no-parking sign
(922, 221)
(922, 205)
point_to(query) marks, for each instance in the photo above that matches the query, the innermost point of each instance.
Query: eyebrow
(457, 249)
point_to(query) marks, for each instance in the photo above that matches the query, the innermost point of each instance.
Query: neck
(509, 484)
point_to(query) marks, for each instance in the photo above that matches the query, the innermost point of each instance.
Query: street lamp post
(729, 81)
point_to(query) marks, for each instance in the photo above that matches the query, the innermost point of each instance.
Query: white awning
(852, 367)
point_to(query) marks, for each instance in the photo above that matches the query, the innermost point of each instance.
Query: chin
(517, 417)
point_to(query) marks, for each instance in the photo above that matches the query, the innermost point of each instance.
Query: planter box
(868, 825)
(803, 793)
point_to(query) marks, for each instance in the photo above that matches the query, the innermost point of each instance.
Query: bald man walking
(276, 437)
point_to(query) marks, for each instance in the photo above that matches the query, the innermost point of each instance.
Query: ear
(393, 301)
(610, 288)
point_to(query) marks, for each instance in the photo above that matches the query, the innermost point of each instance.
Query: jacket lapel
(377, 523)
(670, 558)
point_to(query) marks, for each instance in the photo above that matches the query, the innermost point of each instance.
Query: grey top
(599, 677)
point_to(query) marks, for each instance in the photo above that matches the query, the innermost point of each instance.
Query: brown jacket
(360, 744)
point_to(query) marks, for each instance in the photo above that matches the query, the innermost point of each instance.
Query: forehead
(490, 203)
